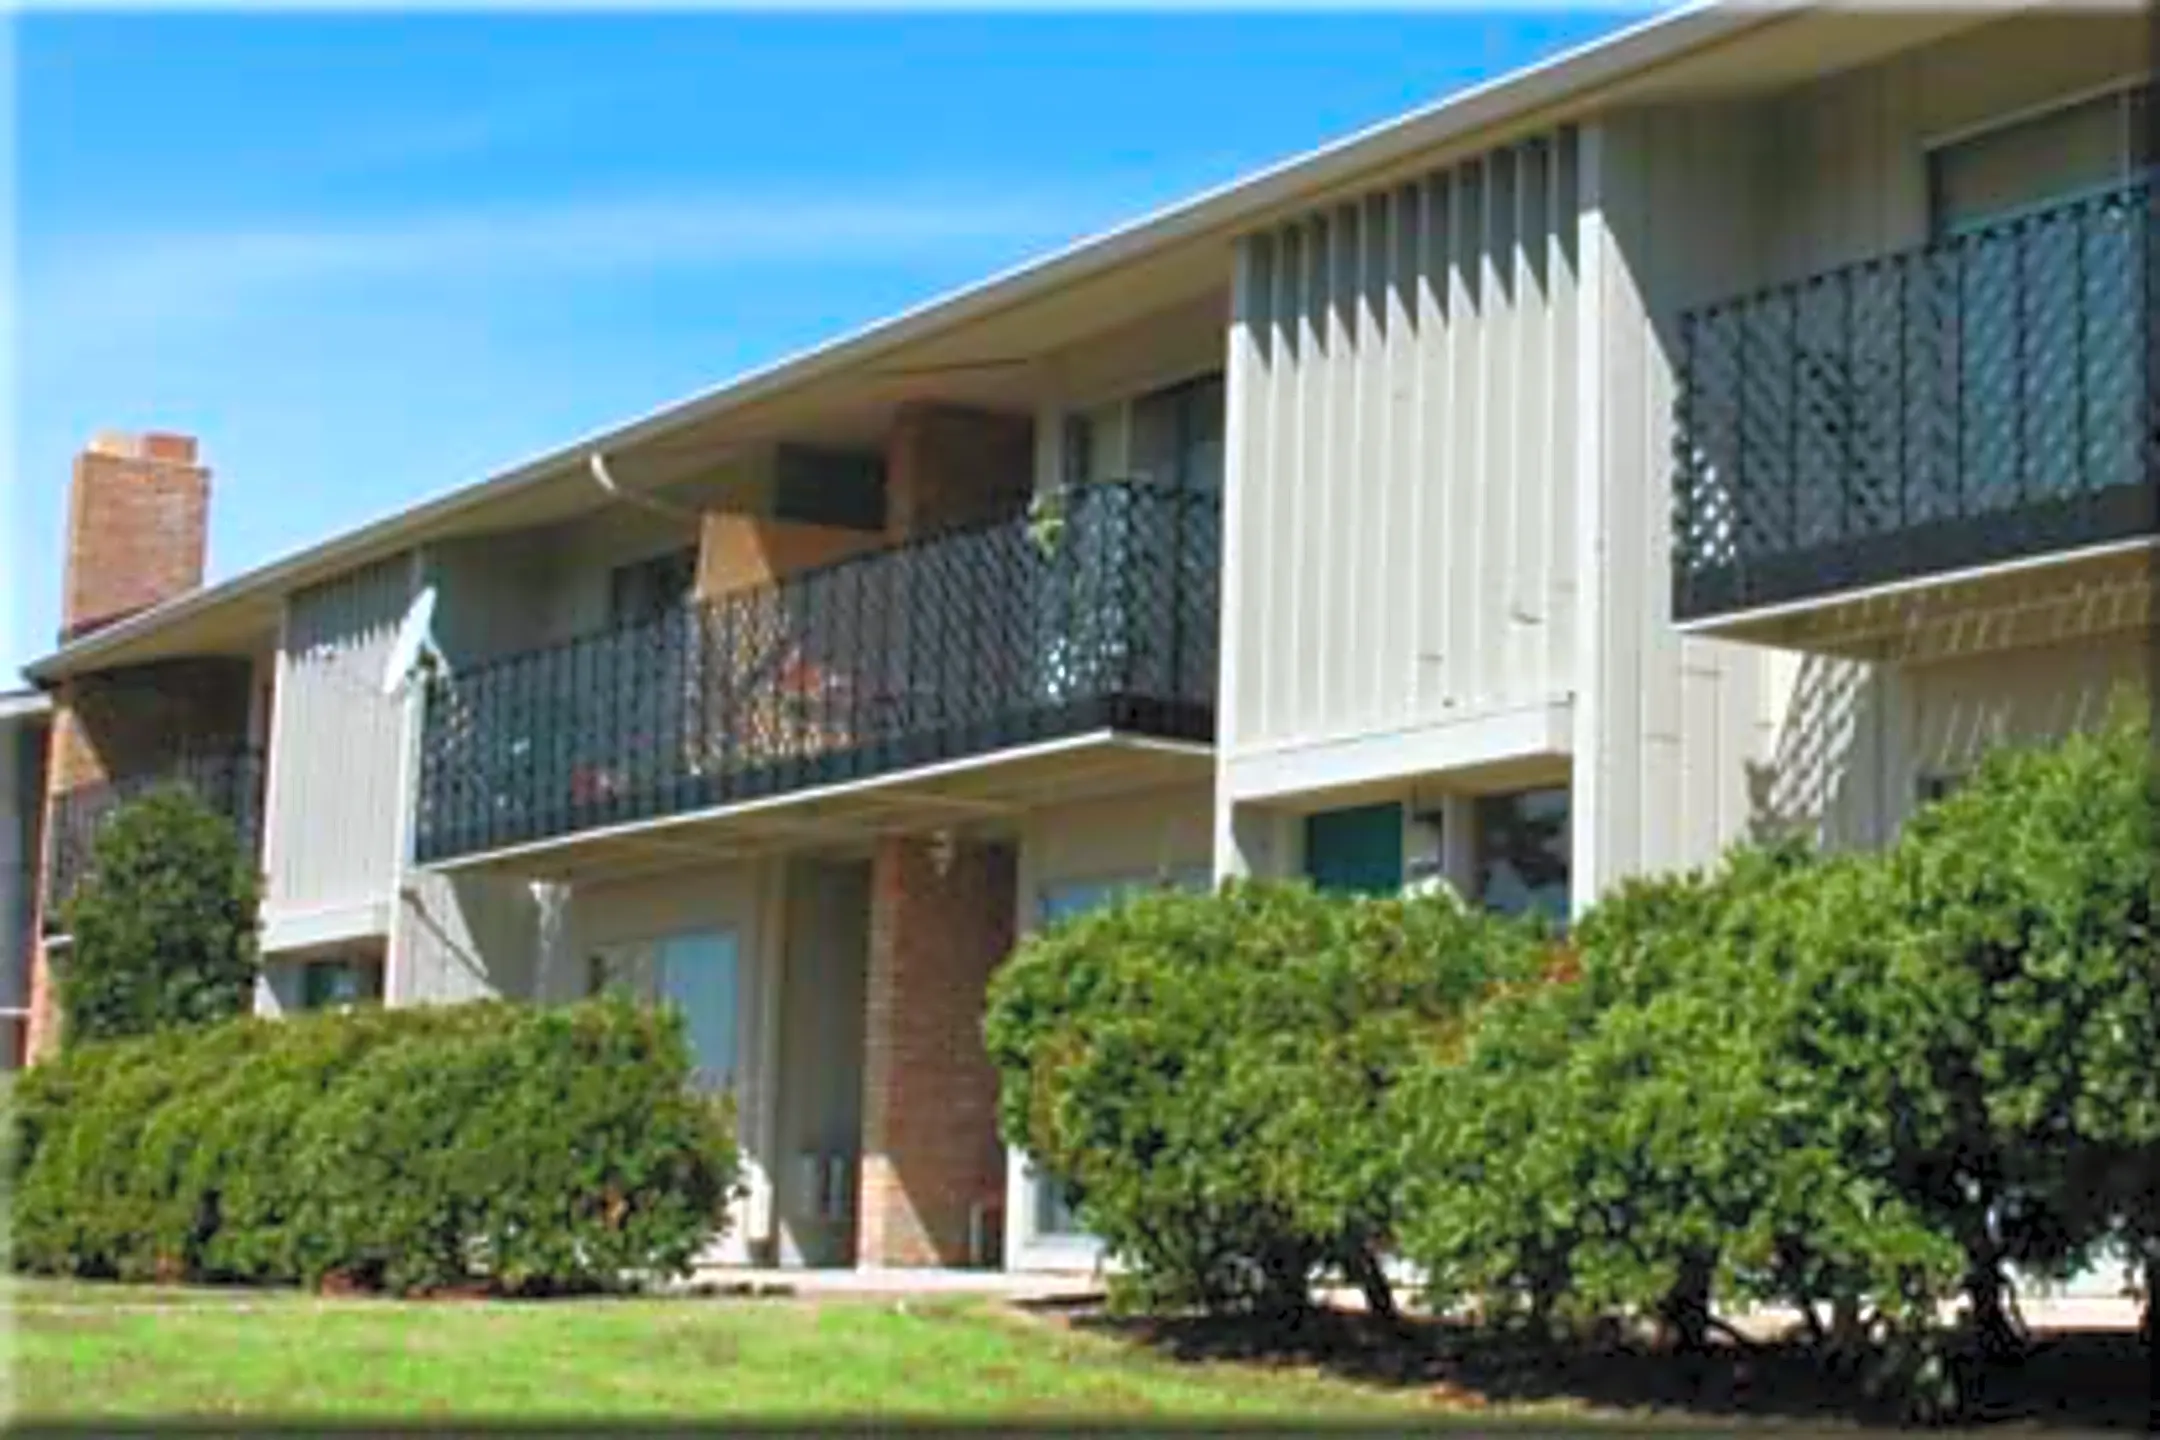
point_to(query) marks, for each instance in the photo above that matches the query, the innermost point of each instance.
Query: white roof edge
(1555, 80)
(23, 704)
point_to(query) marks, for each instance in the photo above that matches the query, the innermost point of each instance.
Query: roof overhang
(976, 794)
(24, 707)
(1689, 51)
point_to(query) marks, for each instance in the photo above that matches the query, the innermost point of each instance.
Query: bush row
(524, 1150)
(1862, 1085)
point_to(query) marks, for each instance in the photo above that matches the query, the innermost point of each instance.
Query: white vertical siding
(1670, 734)
(333, 797)
(1399, 445)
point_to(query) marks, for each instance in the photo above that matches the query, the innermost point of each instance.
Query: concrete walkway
(2060, 1312)
(865, 1284)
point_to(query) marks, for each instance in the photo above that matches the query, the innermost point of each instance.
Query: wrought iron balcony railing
(1101, 616)
(1983, 399)
(228, 782)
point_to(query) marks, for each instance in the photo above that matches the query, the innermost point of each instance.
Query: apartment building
(1743, 421)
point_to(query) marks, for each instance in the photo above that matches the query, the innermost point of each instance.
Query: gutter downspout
(597, 462)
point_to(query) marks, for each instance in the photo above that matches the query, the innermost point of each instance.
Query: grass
(89, 1353)
(90, 1356)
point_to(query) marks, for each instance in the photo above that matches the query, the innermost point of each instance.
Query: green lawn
(87, 1356)
(85, 1353)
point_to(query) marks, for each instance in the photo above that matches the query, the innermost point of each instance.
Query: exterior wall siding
(1671, 730)
(820, 1088)
(334, 802)
(1401, 455)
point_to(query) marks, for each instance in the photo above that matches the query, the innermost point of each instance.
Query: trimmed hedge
(522, 1150)
(1213, 1074)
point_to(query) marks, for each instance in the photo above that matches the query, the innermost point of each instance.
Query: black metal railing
(1099, 614)
(229, 782)
(1982, 399)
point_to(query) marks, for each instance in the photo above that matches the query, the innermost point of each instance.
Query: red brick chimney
(138, 520)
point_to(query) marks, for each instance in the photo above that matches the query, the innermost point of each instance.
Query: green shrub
(2032, 892)
(525, 1150)
(1701, 1113)
(162, 928)
(1212, 1074)
(1860, 1086)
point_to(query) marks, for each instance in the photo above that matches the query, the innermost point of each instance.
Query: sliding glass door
(698, 972)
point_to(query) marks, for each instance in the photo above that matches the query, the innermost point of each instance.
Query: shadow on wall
(1818, 782)
(469, 937)
(1851, 749)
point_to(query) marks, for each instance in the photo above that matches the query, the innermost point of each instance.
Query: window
(335, 984)
(645, 590)
(695, 971)
(2041, 160)
(1523, 841)
(1171, 437)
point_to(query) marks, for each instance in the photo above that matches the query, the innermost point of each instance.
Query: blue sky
(369, 258)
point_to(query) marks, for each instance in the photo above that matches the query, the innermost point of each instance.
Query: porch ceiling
(977, 794)
(2103, 590)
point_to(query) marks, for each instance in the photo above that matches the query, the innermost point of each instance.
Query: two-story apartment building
(1742, 421)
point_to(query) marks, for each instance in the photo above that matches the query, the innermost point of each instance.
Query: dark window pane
(1522, 850)
(326, 983)
(645, 590)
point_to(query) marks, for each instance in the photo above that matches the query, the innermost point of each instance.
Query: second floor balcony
(1979, 402)
(1095, 613)
(228, 782)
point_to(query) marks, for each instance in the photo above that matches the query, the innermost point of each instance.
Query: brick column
(941, 919)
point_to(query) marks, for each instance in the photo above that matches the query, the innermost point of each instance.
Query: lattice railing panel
(1981, 399)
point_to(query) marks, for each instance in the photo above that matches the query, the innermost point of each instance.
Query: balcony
(967, 644)
(228, 782)
(1942, 416)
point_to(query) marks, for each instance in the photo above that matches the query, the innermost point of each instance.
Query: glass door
(699, 972)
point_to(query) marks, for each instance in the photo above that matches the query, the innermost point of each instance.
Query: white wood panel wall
(333, 797)
(1671, 731)
(1401, 434)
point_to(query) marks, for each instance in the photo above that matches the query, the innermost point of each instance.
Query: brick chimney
(138, 518)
